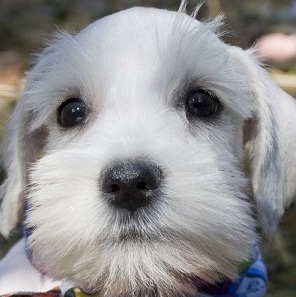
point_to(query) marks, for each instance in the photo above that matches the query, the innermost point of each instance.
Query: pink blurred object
(277, 47)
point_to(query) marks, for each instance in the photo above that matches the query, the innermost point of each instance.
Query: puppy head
(128, 146)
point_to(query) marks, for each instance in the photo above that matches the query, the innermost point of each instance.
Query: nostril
(113, 188)
(142, 186)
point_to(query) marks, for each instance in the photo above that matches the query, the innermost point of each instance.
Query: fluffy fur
(133, 70)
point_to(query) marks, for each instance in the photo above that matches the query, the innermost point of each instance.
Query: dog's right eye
(72, 112)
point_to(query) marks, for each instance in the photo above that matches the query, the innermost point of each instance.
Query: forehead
(151, 37)
(136, 28)
(144, 49)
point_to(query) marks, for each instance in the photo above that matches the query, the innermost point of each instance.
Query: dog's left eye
(201, 104)
(72, 112)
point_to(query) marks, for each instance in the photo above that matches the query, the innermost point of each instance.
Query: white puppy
(126, 150)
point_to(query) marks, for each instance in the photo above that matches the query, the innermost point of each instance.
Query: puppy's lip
(131, 236)
(133, 227)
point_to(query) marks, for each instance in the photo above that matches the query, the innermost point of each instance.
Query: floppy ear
(20, 148)
(25, 137)
(13, 159)
(271, 143)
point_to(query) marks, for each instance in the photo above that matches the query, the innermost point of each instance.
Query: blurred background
(25, 25)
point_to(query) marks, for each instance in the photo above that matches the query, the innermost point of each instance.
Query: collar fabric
(251, 282)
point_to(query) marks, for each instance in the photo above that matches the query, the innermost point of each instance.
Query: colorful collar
(251, 281)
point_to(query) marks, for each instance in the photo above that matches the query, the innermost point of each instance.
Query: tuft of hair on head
(215, 24)
(196, 10)
(183, 6)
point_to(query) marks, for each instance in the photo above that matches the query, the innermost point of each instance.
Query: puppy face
(134, 180)
(138, 99)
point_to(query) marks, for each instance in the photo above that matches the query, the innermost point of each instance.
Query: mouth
(134, 227)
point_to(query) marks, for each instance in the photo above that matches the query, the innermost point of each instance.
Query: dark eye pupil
(201, 104)
(71, 113)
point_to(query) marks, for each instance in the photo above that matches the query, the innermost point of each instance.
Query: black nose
(130, 184)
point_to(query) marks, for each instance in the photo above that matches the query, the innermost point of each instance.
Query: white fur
(133, 70)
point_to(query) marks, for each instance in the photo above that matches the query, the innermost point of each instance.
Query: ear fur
(20, 148)
(12, 187)
(271, 146)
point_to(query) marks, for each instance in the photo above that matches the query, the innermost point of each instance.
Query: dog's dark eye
(72, 112)
(201, 104)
